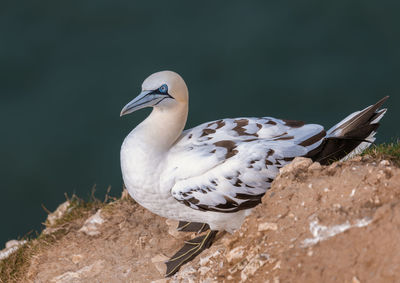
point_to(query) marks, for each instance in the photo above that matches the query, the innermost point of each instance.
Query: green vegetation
(388, 151)
(15, 267)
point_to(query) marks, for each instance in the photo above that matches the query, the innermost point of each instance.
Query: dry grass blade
(388, 151)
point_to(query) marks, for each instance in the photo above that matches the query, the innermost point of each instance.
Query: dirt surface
(339, 223)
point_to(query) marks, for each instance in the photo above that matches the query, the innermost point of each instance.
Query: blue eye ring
(163, 88)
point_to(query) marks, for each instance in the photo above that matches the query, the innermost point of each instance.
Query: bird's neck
(160, 130)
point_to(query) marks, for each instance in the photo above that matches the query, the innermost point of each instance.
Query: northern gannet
(210, 176)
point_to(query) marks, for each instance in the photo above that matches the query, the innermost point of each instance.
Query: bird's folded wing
(249, 129)
(208, 145)
(237, 183)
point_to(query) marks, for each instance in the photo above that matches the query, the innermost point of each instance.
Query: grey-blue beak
(146, 98)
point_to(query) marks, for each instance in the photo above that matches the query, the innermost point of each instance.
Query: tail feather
(351, 135)
(356, 119)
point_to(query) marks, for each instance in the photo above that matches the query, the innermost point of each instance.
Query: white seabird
(216, 172)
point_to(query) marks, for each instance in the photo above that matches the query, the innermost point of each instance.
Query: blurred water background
(68, 67)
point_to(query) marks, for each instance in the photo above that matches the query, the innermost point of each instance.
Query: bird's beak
(146, 98)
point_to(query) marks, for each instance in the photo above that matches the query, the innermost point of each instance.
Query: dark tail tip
(348, 136)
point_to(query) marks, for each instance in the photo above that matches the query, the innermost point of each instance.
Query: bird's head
(163, 89)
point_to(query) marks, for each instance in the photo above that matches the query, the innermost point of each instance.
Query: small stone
(337, 205)
(298, 164)
(380, 175)
(172, 225)
(77, 276)
(159, 258)
(252, 267)
(14, 243)
(267, 226)
(11, 247)
(277, 265)
(161, 267)
(204, 270)
(315, 166)
(384, 163)
(206, 259)
(76, 258)
(58, 213)
(355, 280)
(91, 225)
(234, 254)
(186, 274)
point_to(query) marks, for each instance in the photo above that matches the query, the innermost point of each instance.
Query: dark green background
(68, 67)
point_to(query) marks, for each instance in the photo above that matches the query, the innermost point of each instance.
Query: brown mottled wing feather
(240, 181)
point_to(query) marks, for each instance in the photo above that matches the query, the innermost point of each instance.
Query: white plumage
(216, 172)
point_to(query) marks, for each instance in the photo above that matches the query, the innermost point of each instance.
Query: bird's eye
(163, 88)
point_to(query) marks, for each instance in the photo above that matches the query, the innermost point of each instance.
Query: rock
(172, 225)
(78, 276)
(159, 258)
(384, 163)
(277, 265)
(186, 274)
(235, 253)
(14, 243)
(298, 164)
(252, 267)
(267, 226)
(91, 225)
(161, 267)
(332, 169)
(204, 270)
(315, 166)
(206, 259)
(159, 262)
(228, 241)
(11, 247)
(76, 258)
(58, 213)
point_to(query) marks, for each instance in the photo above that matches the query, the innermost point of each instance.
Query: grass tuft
(15, 267)
(388, 151)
